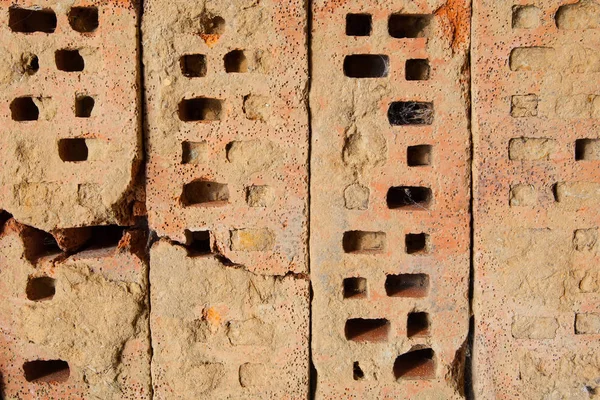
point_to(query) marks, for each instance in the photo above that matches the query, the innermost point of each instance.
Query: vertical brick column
(69, 94)
(536, 96)
(390, 198)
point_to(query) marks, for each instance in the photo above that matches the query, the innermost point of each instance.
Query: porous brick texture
(536, 88)
(73, 325)
(71, 143)
(390, 198)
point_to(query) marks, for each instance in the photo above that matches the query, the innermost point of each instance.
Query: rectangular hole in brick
(39, 244)
(200, 109)
(417, 70)
(418, 156)
(416, 243)
(197, 243)
(407, 285)
(357, 372)
(105, 237)
(355, 288)
(416, 364)
(417, 324)
(410, 113)
(73, 150)
(409, 197)
(24, 109)
(83, 19)
(366, 66)
(409, 26)
(194, 152)
(204, 193)
(367, 330)
(193, 65)
(358, 24)
(46, 371)
(364, 242)
(40, 288)
(587, 149)
(69, 60)
(236, 62)
(29, 21)
(84, 106)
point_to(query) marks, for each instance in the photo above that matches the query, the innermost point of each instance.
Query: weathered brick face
(69, 94)
(389, 198)
(535, 90)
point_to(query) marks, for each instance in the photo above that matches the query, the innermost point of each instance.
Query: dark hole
(40, 288)
(366, 66)
(46, 371)
(197, 242)
(30, 63)
(200, 109)
(201, 192)
(409, 26)
(357, 372)
(416, 364)
(84, 106)
(358, 24)
(72, 150)
(193, 65)
(69, 60)
(555, 192)
(212, 25)
(29, 21)
(417, 70)
(363, 242)
(105, 237)
(417, 324)
(39, 244)
(24, 109)
(416, 243)
(235, 61)
(83, 19)
(407, 285)
(355, 288)
(587, 149)
(419, 155)
(410, 113)
(367, 330)
(408, 197)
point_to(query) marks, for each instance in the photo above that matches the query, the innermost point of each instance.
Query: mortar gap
(236, 62)
(367, 330)
(407, 285)
(410, 113)
(200, 109)
(355, 288)
(409, 197)
(418, 324)
(409, 26)
(83, 19)
(73, 150)
(366, 66)
(416, 364)
(28, 21)
(201, 192)
(40, 288)
(359, 24)
(46, 371)
(69, 60)
(24, 109)
(193, 65)
(417, 70)
(84, 106)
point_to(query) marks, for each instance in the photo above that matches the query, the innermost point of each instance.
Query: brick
(535, 196)
(73, 326)
(69, 94)
(389, 198)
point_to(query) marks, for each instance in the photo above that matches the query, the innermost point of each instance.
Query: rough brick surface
(88, 310)
(222, 332)
(47, 179)
(535, 127)
(228, 127)
(385, 251)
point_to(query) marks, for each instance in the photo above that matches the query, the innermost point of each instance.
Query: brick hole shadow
(28, 21)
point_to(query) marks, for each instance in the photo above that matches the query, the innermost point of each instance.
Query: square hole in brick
(46, 371)
(357, 372)
(193, 65)
(366, 66)
(364, 242)
(416, 364)
(194, 152)
(200, 192)
(30, 63)
(40, 244)
(40, 288)
(84, 106)
(417, 324)
(355, 288)
(359, 24)
(200, 109)
(198, 243)
(409, 26)
(73, 150)
(367, 330)
(83, 19)
(28, 20)
(410, 113)
(417, 70)
(407, 285)
(235, 62)
(587, 149)
(416, 243)
(409, 197)
(418, 156)
(24, 109)
(69, 60)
